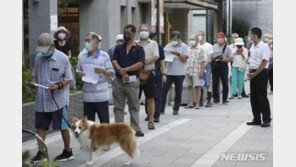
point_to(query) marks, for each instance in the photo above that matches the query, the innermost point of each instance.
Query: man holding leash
(52, 69)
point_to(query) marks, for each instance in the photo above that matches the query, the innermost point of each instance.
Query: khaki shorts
(194, 81)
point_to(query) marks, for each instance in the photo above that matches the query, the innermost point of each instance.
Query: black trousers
(101, 108)
(270, 77)
(259, 100)
(178, 81)
(223, 74)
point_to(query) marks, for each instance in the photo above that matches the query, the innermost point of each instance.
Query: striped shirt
(98, 92)
(49, 71)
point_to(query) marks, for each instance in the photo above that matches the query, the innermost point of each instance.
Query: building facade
(259, 13)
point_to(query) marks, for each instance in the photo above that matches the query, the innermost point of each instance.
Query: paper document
(132, 78)
(169, 57)
(90, 75)
(41, 86)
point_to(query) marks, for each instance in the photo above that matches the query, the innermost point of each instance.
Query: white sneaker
(239, 96)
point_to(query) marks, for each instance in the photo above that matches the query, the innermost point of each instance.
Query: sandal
(189, 106)
(196, 108)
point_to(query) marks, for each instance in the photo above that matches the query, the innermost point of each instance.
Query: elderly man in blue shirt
(175, 70)
(52, 69)
(95, 95)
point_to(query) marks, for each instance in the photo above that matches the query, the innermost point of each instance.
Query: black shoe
(225, 102)
(253, 123)
(265, 124)
(216, 101)
(139, 133)
(156, 120)
(201, 104)
(146, 119)
(40, 156)
(209, 104)
(245, 96)
(175, 112)
(151, 126)
(65, 156)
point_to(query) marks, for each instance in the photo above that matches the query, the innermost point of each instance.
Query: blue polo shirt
(136, 54)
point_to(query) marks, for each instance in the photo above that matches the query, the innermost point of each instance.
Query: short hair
(176, 34)
(144, 25)
(193, 36)
(152, 35)
(94, 36)
(132, 27)
(234, 34)
(202, 32)
(257, 31)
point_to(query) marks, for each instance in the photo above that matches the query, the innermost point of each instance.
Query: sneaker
(107, 149)
(239, 96)
(175, 112)
(139, 133)
(65, 156)
(156, 120)
(231, 97)
(151, 126)
(245, 96)
(161, 113)
(209, 104)
(40, 156)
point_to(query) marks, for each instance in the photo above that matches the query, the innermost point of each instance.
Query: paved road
(194, 138)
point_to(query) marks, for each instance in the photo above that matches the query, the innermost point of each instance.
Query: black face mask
(127, 37)
(239, 46)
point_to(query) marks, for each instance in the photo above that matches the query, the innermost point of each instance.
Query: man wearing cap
(260, 53)
(52, 69)
(119, 40)
(221, 57)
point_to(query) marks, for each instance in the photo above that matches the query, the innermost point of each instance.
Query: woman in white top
(238, 69)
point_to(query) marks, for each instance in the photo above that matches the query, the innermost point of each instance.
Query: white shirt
(208, 49)
(258, 54)
(238, 60)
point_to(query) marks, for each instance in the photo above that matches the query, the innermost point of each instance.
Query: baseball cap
(45, 40)
(220, 34)
(119, 37)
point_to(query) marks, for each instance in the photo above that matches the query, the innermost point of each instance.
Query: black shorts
(101, 108)
(149, 88)
(43, 120)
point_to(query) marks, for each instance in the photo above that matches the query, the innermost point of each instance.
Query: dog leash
(52, 95)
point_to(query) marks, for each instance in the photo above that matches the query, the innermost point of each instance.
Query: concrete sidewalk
(193, 138)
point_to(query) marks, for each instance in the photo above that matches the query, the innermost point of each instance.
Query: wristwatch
(178, 54)
(164, 74)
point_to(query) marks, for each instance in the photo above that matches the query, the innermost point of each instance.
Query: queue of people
(140, 66)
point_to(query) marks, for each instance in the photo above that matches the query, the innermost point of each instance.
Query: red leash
(59, 109)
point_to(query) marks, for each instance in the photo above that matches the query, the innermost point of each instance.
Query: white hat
(119, 37)
(61, 28)
(239, 41)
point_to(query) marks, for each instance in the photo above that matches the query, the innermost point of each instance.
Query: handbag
(144, 75)
(215, 63)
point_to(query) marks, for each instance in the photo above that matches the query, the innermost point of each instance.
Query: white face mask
(199, 38)
(175, 43)
(191, 42)
(144, 34)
